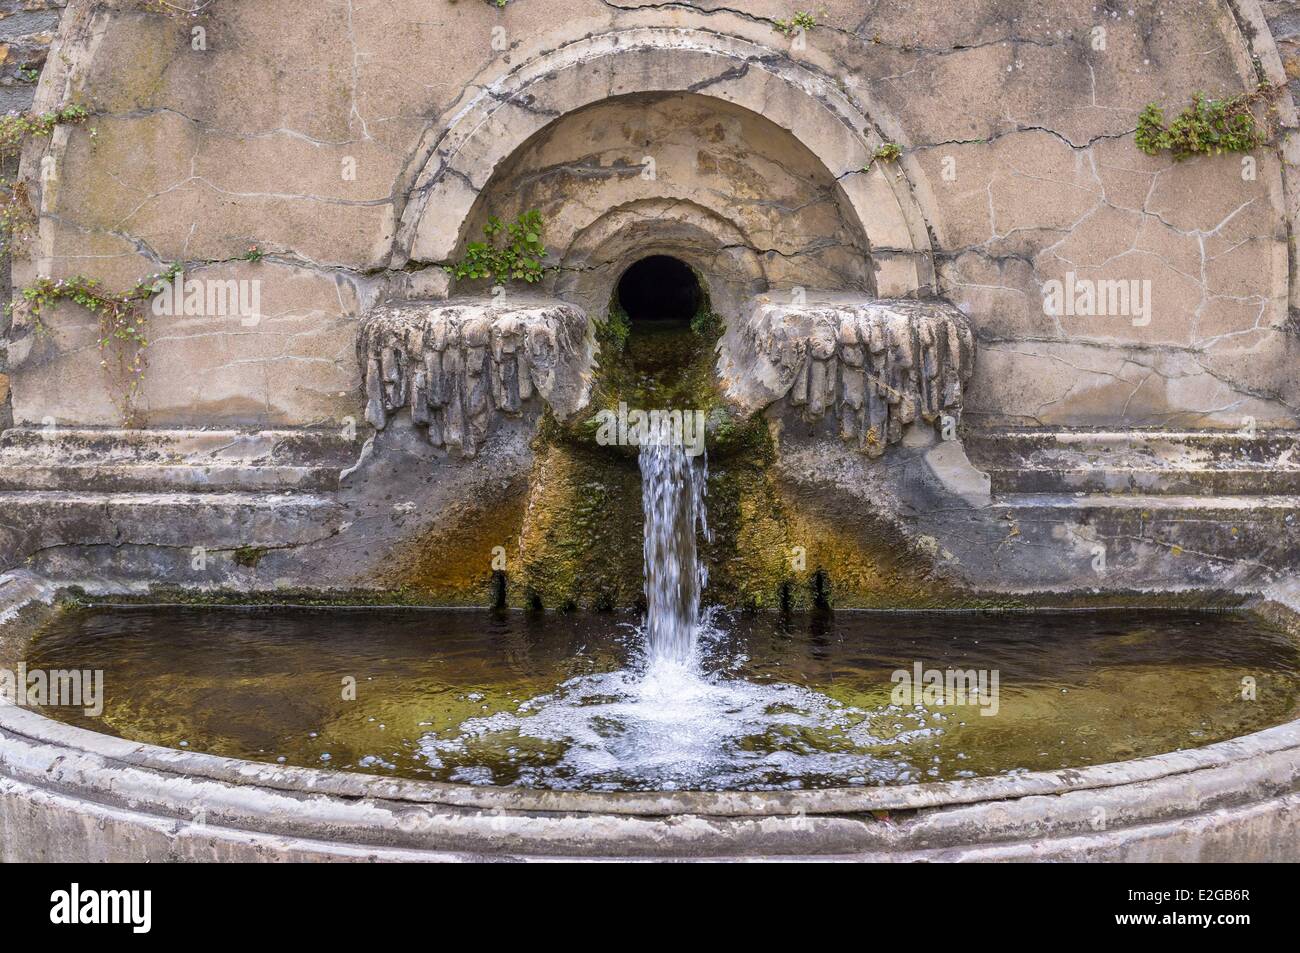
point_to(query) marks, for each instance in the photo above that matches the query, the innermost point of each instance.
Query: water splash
(672, 498)
(674, 718)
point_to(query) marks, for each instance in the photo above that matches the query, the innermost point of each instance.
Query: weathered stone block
(877, 366)
(456, 365)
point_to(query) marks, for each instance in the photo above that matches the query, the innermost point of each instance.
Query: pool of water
(570, 701)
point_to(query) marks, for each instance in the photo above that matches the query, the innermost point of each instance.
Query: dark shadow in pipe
(660, 288)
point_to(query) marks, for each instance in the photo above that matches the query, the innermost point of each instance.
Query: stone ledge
(124, 540)
(207, 461)
(1182, 463)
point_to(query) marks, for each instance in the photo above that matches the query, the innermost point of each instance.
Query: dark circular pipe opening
(660, 288)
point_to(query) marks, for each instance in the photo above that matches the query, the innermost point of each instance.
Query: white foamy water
(666, 726)
(666, 722)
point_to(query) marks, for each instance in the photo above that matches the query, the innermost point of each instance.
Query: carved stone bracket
(458, 364)
(877, 365)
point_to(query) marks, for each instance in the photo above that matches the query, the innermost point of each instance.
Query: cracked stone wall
(1283, 18)
(299, 128)
(27, 29)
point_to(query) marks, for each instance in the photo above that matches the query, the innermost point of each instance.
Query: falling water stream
(672, 496)
(676, 716)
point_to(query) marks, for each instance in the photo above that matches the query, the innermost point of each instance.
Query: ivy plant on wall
(511, 252)
(17, 216)
(122, 324)
(1206, 127)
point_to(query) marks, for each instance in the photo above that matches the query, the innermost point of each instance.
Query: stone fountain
(895, 418)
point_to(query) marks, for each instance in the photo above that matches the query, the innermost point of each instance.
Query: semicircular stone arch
(729, 270)
(458, 165)
(711, 183)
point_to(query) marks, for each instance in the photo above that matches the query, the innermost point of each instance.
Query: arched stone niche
(738, 85)
(728, 269)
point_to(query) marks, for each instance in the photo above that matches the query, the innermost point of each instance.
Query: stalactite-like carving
(876, 365)
(457, 364)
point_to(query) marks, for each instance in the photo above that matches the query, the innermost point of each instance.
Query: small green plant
(613, 334)
(122, 339)
(1206, 127)
(249, 556)
(707, 323)
(803, 20)
(17, 217)
(16, 127)
(889, 152)
(511, 252)
(253, 254)
(28, 74)
(73, 598)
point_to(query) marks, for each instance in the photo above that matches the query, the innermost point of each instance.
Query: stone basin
(67, 793)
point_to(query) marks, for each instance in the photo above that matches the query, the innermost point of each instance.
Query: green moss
(654, 366)
(249, 556)
(456, 561)
(749, 554)
(580, 545)
(612, 333)
(780, 546)
(802, 20)
(889, 152)
(707, 323)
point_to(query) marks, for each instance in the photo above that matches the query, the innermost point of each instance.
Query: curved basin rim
(38, 728)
